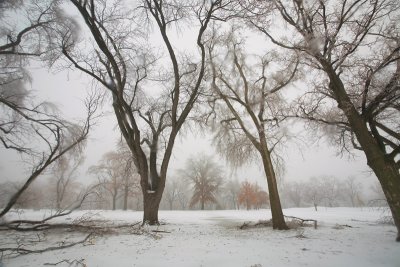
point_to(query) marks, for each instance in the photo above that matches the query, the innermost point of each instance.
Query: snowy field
(344, 237)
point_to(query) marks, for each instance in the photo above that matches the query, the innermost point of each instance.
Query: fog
(67, 89)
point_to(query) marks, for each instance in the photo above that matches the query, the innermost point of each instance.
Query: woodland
(167, 69)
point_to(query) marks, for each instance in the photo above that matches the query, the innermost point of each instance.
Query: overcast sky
(68, 89)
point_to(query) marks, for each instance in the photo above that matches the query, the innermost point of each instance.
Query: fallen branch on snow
(94, 228)
(260, 223)
(294, 223)
(76, 262)
(301, 221)
(160, 231)
(23, 251)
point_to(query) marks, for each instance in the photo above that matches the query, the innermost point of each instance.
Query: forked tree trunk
(384, 167)
(278, 220)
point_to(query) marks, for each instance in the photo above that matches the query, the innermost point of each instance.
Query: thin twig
(81, 262)
(23, 251)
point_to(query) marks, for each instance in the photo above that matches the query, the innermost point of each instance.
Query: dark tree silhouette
(353, 48)
(121, 65)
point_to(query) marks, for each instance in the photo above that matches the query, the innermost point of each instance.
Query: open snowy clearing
(344, 237)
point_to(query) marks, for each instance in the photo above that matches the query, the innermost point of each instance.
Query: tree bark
(126, 190)
(278, 220)
(384, 168)
(151, 196)
(114, 200)
(151, 204)
(389, 178)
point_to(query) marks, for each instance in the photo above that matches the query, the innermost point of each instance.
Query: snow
(212, 238)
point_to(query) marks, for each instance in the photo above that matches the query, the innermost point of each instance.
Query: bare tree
(130, 179)
(353, 48)
(110, 173)
(41, 138)
(352, 188)
(295, 192)
(183, 195)
(149, 124)
(205, 177)
(251, 107)
(171, 192)
(314, 192)
(377, 191)
(232, 189)
(32, 129)
(331, 189)
(62, 180)
(31, 198)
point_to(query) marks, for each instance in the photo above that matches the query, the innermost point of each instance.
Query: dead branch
(92, 227)
(268, 223)
(258, 224)
(300, 234)
(301, 221)
(22, 251)
(160, 231)
(244, 225)
(82, 226)
(342, 226)
(76, 262)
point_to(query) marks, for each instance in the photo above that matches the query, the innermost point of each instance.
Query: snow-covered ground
(213, 238)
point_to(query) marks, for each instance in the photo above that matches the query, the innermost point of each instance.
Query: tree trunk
(151, 204)
(16, 196)
(58, 204)
(352, 201)
(114, 200)
(389, 178)
(384, 168)
(278, 221)
(151, 198)
(202, 205)
(126, 190)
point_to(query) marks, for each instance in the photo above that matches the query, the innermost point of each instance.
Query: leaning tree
(33, 129)
(353, 48)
